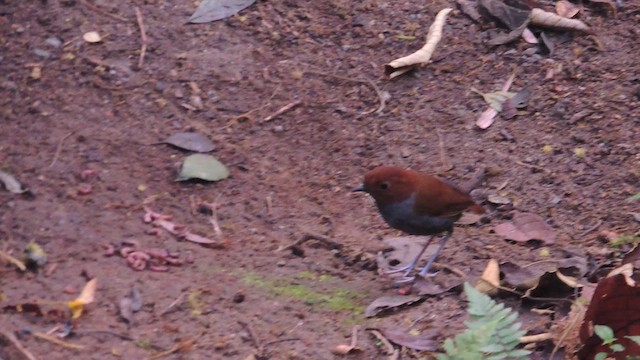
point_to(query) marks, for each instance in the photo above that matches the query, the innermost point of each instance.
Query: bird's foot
(406, 268)
(429, 274)
(404, 280)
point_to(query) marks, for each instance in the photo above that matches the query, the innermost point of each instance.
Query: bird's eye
(384, 186)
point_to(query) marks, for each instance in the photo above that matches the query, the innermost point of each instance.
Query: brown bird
(417, 204)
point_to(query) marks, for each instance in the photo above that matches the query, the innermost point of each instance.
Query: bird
(417, 204)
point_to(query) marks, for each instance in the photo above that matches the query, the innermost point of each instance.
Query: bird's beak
(358, 188)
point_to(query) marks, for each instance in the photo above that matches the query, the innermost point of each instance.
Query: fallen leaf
(389, 302)
(468, 218)
(11, 183)
(92, 37)
(499, 200)
(425, 341)
(513, 15)
(550, 20)
(87, 296)
(567, 9)
(488, 116)
(130, 303)
(495, 99)
(191, 141)
(203, 167)
(212, 10)
(430, 287)
(402, 65)
(526, 227)
(529, 36)
(489, 282)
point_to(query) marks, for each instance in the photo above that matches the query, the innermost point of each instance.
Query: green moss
(623, 240)
(337, 299)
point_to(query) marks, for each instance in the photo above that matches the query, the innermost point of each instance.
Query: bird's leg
(425, 270)
(412, 264)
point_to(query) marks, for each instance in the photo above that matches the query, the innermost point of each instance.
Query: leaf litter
(191, 141)
(202, 167)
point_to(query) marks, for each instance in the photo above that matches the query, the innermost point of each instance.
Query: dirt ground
(92, 107)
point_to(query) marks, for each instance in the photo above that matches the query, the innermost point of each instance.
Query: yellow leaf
(87, 295)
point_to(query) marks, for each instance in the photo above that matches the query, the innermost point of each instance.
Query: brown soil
(92, 107)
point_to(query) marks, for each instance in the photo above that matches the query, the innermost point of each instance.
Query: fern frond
(492, 332)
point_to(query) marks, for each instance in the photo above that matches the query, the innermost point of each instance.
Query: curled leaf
(87, 296)
(489, 282)
(11, 183)
(547, 19)
(402, 65)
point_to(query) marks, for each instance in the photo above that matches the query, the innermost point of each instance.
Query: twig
(180, 346)
(54, 340)
(174, 303)
(103, 12)
(354, 336)
(17, 345)
(143, 37)
(568, 329)
(254, 336)
(597, 225)
(19, 264)
(267, 103)
(108, 332)
(475, 181)
(282, 110)
(214, 218)
(268, 343)
(535, 338)
(444, 159)
(59, 148)
(390, 349)
(381, 98)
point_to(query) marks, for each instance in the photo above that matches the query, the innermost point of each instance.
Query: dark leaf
(422, 342)
(191, 141)
(212, 10)
(391, 302)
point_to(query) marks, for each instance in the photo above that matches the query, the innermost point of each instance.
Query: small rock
(238, 298)
(53, 41)
(278, 129)
(42, 53)
(281, 263)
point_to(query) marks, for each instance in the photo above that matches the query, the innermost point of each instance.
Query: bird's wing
(446, 200)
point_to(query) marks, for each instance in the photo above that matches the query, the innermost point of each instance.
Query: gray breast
(400, 216)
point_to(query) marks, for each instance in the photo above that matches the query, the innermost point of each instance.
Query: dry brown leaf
(87, 295)
(547, 19)
(489, 282)
(384, 303)
(567, 9)
(529, 36)
(525, 227)
(402, 65)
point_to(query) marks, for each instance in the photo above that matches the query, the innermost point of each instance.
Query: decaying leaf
(529, 36)
(566, 331)
(402, 65)
(437, 285)
(547, 19)
(499, 200)
(567, 9)
(528, 276)
(191, 141)
(203, 167)
(614, 305)
(488, 116)
(11, 183)
(130, 303)
(495, 99)
(610, 4)
(512, 15)
(489, 282)
(424, 341)
(526, 227)
(87, 295)
(553, 285)
(212, 10)
(390, 302)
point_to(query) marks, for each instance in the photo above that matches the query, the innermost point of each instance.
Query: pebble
(53, 41)
(281, 263)
(42, 53)
(278, 129)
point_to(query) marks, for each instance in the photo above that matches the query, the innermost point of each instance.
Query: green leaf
(616, 347)
(635, 339)
(203, 167)
(634, 197)
(600, 356)
(605, 333)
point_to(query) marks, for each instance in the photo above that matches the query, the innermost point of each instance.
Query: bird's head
(389, 184)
